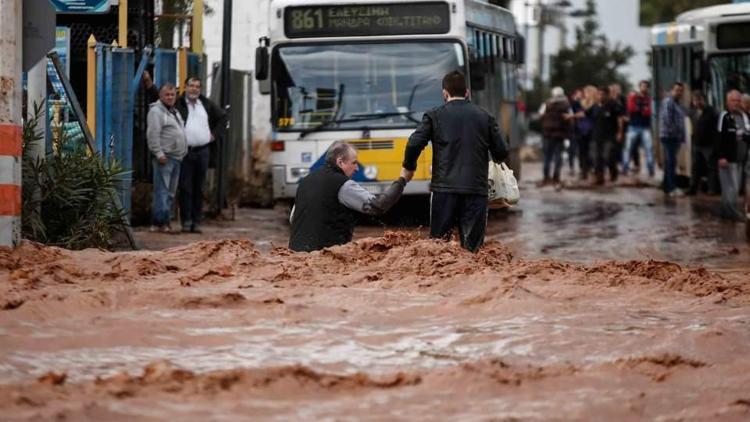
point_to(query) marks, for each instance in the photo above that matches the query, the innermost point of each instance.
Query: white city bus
(708, 49)
(364, 72)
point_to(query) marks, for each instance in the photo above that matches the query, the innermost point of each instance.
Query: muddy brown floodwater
(389, 327)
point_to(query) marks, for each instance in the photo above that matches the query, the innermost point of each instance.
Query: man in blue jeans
(672, 135)
(639, 127)
(166, 141)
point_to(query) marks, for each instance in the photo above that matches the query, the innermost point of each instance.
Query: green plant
(68, 193)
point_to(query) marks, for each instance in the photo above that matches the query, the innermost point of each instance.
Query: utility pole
(226, 49)
(541, 23)
(11, 141)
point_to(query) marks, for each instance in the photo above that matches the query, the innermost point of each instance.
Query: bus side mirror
(476, 75)
(261, 59)
(261, 63)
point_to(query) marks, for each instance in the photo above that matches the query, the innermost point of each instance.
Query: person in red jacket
(639, 127)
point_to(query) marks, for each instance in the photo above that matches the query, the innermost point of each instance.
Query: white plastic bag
(503, 187)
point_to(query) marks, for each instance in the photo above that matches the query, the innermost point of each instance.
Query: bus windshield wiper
(357, 118)
(328, 123)
(407, 114)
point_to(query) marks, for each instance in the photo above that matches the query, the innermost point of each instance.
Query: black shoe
(186, 229)
(196, 229)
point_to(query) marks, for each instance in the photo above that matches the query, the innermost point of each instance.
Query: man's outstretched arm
(353, 196)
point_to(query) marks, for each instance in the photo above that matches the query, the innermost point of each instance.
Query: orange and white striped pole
(10, 122)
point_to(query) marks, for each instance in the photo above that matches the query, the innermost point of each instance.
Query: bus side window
(477, 66)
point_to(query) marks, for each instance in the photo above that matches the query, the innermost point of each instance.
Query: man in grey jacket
(166, 141)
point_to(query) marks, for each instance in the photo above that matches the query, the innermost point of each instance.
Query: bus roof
(720, 11)
(694, 26)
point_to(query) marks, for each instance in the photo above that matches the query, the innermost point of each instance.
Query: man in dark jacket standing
(204, 122)
(556, 128)
(463, 136)
(704, 118)
(326, 201)
(734, 132)
(607, 133)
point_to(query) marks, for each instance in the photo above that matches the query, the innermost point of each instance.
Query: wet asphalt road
(573, 224)
(621, 224)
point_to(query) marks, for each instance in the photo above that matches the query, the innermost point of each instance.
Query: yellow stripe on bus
(387, 154)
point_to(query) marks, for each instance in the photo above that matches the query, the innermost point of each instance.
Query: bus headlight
(371, 172)
(298, 173)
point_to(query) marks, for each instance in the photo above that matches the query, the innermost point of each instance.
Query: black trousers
(584, 154)
(704, 165)
(468, 212)
(192, 177)
(606, 153)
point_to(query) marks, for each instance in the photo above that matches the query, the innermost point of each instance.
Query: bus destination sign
(367, 19)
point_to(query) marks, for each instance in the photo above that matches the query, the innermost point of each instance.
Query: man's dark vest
(319, 219)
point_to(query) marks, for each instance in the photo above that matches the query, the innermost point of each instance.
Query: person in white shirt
(204, 122)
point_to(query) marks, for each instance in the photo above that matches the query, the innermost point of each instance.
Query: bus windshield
(363, 85)
(728, 72)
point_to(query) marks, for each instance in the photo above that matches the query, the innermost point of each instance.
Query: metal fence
(165, 66)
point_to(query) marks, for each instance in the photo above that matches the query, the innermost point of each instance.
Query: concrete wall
(249, 22)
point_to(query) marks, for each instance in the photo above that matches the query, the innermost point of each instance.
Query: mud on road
(387, 327)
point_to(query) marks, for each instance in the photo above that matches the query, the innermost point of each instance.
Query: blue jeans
(671, 147)
(552, 150)
(729, 177)
(166, 178)
(630, 141)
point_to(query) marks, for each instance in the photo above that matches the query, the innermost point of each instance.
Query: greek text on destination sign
(366, 20)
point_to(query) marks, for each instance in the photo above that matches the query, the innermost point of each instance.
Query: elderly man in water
(327, 201)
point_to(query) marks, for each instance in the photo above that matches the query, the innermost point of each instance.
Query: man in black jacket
(326, 201)
(463, 136)
(704, 118)
(204, 122)
(734, 132)
(606, 134)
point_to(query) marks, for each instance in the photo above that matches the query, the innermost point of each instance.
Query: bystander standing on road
(606, 134)
(704, 119)
(583, 128)
(639, 129)
(615, 94)
(166, 141)
(572, 146)
(556, 116)
(743, 171)
(672, 136)
(463, 137)
(204, 122)
(732, 150)
(326, 203)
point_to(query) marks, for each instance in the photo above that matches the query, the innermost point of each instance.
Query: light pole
(226, 101)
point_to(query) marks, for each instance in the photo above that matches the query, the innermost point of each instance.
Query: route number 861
(307, 19)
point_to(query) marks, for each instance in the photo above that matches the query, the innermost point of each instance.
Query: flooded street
(584, 304)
